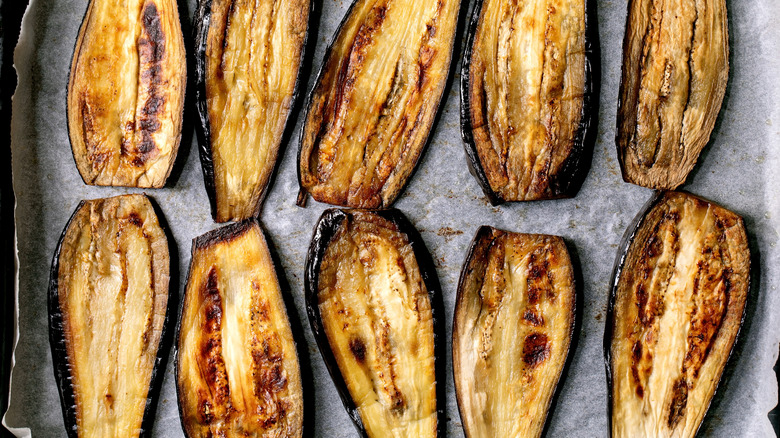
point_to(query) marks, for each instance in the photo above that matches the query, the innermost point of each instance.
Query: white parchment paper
(738, 169)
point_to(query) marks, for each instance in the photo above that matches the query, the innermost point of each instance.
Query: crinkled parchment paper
(737, 169)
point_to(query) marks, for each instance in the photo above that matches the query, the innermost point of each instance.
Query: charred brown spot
(135, 219)
(151, 51)
(268, 366)
(152, 48)
(214, 371)
(679, 402)
(533, 318)
(636, 356)
(538, 276)
(260, 311)
(637, 351)
(358, 349)
(206, 410)
(536, 349)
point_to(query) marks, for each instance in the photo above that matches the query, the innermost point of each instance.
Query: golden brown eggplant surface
(376, 313)
(375, 100)
(237, 370)
(675, 70)
(112, 291)
(253, 53)
(512, 330)
(126, 92)
(526, 93)
(678, 306)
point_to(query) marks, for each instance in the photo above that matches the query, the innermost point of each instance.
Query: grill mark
(151, 53)
(269, 378)
(536, 349)
(538, 282)
(649, 305)
(706, 318)
(636, 357)
(218, 404)
(679, 402)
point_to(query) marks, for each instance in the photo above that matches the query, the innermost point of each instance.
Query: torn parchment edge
(20, 57)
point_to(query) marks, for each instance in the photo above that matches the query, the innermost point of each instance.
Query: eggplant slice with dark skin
(108, 300)
(513, 325)
(528, 99)
(371, 295)
(248, 58)
(680, 285)
(126, 93)
(373, 106)
(675, 72)
(237, 369)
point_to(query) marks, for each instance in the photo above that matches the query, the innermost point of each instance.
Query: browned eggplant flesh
(675, 71)
(108, 302)
(677, 307)
(514, 318)
(375, 101)
(126, 92)
(374, 306)
(237, 370)
(248, 59)
(527, 97)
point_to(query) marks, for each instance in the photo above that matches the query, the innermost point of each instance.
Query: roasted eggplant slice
(126, 92)
(514, 319)
(371, 296)
(527, 98)
(680, 285)
(675, 70)
(248, 57)
(108, 300)
(237, 370)
(375, 101)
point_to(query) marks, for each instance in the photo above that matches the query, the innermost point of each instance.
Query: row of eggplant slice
(526, 141)
(375, 307)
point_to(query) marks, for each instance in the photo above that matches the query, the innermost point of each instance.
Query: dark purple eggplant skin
(617, 270)
(201, 23)
(326, 228)
(577, 165)
(59, 351)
